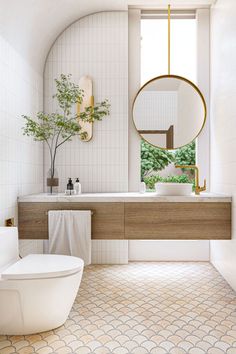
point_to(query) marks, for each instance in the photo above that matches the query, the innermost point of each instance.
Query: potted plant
(57, 128)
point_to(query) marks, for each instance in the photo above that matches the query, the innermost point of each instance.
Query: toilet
(37, 291)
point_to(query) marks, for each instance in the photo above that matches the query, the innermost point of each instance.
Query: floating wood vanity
(133, 216)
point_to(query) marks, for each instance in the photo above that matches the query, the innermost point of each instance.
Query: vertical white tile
(168, 250)
(109, 252)
(21, 159)
(30, 246)
(95, 45)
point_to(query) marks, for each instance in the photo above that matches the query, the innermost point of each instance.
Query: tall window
(154, 48)
(156, 164)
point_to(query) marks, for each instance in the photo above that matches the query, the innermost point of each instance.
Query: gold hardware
(9, 222)
(168, 39)
(177, 77)
(85, 83)
(198, 189)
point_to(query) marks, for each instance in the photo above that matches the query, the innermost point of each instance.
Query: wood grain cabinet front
(136, 221)
(107, 219)
(177, 221)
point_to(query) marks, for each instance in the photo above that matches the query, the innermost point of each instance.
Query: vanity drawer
(107, 219)
(171, 221)
(136, 221)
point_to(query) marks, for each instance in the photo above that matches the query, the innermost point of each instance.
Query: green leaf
(154, 159)
(57, 128)
(186, 156)
(67, 93)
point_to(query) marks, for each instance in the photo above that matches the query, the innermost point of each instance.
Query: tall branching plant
(57, 128)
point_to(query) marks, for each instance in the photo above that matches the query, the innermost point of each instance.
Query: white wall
(21, 159)
(32, 25)
(134, 86)
(168, 250)
(223, 124)
(156, 110)
(203, 83)
(189, 123)
(96, 45)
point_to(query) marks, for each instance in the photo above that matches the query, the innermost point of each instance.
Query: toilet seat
(37, 292)
(38, 266)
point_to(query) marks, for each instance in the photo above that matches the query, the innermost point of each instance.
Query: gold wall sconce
(86, 84)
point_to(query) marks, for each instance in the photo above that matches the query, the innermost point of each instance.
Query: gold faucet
(198, 189)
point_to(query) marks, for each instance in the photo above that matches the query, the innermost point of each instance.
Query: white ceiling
(31, 26)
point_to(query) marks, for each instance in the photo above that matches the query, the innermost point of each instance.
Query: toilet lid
(36, 266)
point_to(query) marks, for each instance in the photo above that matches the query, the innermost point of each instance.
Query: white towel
(70, 233)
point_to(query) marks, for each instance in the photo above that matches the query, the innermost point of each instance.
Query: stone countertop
(124, 197)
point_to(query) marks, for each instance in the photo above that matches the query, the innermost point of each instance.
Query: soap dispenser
(78, 186)
(70, 186)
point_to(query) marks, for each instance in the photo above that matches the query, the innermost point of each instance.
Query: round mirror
(169, 112)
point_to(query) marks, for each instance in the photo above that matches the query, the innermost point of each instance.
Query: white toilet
(37, 291)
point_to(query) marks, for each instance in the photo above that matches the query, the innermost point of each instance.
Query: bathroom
(159, 270)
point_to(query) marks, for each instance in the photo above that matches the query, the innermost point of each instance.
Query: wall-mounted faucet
(198, 189)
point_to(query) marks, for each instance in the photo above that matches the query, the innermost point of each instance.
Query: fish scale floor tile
(142, 308)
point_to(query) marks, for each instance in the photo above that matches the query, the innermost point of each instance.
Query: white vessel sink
(173, 188)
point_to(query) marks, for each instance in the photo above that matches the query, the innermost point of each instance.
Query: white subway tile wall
(21, 159)
(96, 45)
(103, 251)
(30, 246)
(153, 104)
(110, 252)
(166, 250)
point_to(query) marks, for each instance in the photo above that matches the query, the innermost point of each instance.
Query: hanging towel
(70, 233)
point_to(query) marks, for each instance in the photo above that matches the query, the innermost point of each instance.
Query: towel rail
(92, 212)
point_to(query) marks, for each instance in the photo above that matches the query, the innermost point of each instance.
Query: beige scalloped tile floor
(142, 308)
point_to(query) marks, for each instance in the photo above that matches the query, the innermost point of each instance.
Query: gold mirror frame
(171, 77)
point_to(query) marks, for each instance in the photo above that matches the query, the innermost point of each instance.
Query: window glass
(154, 55)
(158, 165)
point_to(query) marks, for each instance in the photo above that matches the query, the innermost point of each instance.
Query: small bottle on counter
(78, 189)
(70, 187)
(142, 187)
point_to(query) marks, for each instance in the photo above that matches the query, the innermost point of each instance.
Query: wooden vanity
(133, 216)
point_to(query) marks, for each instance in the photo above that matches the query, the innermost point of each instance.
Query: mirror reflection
(169, 112)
